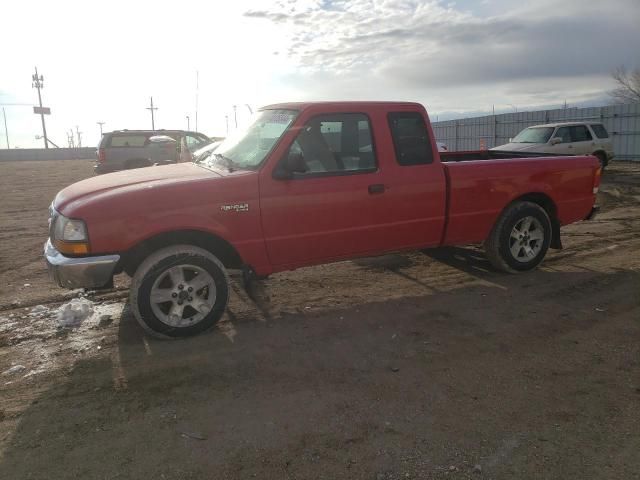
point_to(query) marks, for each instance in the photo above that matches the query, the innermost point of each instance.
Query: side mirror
(292, 163)
(556, 140)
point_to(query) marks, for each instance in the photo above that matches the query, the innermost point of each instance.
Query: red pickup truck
(306, 183)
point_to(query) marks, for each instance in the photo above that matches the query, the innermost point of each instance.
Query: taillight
(102, 156)
(596, 180)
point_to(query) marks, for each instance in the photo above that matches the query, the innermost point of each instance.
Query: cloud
(412, 46)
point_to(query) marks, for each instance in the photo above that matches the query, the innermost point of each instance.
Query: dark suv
(124, 149)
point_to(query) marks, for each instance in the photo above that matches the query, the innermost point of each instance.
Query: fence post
(455, 134)
(495, 127)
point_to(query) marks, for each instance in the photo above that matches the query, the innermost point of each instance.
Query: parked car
(572, 138)
(304, 184)
(127, 149)
(204, 152)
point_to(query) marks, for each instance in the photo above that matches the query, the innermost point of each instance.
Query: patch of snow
(14, 370)
(39, 311)
(74, 312)
(34, 372)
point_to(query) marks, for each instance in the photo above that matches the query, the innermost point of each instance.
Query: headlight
(70, 230)
(70, 235)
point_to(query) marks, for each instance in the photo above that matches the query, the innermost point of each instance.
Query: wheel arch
(213, 243)
(549, 206)
(605, 157)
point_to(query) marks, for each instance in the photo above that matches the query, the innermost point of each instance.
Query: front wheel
(179, 291)
(520, 238)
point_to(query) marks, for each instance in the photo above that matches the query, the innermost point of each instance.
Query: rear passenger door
(417, 187)
(581, 140)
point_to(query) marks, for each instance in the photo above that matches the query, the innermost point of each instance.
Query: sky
(103, 61)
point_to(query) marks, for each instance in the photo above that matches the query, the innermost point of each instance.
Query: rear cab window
(410, 138)
(599, 131)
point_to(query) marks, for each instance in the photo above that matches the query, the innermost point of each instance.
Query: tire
(523, 228)
(167, 274)
(602, 158)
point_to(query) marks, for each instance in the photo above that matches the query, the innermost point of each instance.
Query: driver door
(330, 210)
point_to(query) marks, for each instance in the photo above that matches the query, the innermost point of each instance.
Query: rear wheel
(520, 238)
(601, 158)
(179, 291)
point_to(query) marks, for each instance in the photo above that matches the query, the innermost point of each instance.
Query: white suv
(572, 138)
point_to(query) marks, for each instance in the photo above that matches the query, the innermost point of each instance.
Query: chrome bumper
(82, 272)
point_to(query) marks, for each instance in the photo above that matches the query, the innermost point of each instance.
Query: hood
(127, 180)
(520, 147)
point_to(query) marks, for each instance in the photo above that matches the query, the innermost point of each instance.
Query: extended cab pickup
(306, 183)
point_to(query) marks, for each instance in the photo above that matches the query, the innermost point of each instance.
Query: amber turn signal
(72, 248)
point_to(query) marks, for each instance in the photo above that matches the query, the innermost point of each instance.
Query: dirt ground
(422, 365)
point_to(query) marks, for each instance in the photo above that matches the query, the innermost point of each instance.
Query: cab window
(410, 138)
(335, 144)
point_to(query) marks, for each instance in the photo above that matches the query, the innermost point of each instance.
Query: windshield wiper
(231, 166)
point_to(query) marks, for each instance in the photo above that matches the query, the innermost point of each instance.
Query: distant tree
(628, 90)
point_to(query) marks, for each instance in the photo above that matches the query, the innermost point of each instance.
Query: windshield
(534, 135)
(246, 148)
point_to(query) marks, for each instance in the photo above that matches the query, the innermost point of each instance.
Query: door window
(600, 131)
(410, 138)
(580, 133)
(335, 144)
(564, 134)
(193, 143)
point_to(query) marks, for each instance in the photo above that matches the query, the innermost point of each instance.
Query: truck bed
(479, 189)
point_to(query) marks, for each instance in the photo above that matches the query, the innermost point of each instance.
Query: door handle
(376, 188)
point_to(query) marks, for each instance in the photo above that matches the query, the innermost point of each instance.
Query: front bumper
(81, 272)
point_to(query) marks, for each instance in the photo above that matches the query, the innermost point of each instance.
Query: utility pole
(197, 93)
(6, 131)
(188, 126)
(235, 115)
(101, 124)
(38, 82)
(226, 120)
(79, 134)
(152, 109)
